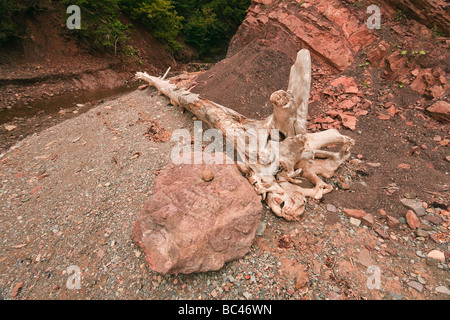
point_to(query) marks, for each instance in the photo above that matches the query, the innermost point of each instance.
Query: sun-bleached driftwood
(298, 155)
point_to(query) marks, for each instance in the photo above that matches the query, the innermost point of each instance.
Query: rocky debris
(382, 233)
(414, 205)
(412, 220)
(355, 213)
(440, 110)
(392, 222)
(301, 279)
(433, 218)
(377, 55)
(421, 233)
(368, 220)
(263, 49)
(431, 13)
(416, 285)
(156, 132)
(443, 289)
(207, 175)
(331, 208)
(261, 228)
(436, 255)
(355, 222)
(189, 226)
(365, 259)
(10, 127)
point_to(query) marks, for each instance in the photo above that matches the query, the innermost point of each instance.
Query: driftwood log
(287, 155)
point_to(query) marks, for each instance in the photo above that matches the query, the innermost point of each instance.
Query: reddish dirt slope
(48, 61)
(264, 48)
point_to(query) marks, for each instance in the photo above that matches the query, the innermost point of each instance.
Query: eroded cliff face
(336, 33)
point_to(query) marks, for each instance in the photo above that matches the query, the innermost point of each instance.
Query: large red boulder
(192, 225)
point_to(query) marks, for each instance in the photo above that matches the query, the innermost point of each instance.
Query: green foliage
(438, 33)
(204, 32)
(400, 15)
(11, 17)
(208, 25)
(7, 26)
(205, 25)
(159, 16)
(100, 24)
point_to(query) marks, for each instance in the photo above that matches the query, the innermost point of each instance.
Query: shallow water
(55, 104)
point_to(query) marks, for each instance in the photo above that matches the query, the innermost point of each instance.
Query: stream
(27, 119)
(55, 104)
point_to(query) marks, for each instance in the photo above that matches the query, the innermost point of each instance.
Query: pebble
(421, 233)
(421, 280)
(261, 228)
(207, 175)
(414, 205)
(416, 285)
(436, 255)
(420, 254)
(331, 208)
(355, 222)
(368, 220)
(443, 289)
(396, 296)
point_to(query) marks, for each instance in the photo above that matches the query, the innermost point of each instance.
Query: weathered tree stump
(286, 152)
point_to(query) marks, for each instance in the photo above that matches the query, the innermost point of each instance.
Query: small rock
(79, 105)
(409, 195)
(374, 164)
(355, 213)
(404, 166)
(247, 295)
(10, 127)
(436, 255)
(364, 258)
(261, 228)
(392, 222)
(16, 289)
(207, 175)
(440, 111)
(382, 233)
(333, 296)
(414, 205)
(355, 222)
(396, 296)
(368, 220)
(301, 280)
(433, 218)
(421, 233)
(416, 285)
(412, 220)
(142, 87)
(443, 289)
(331, 208)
